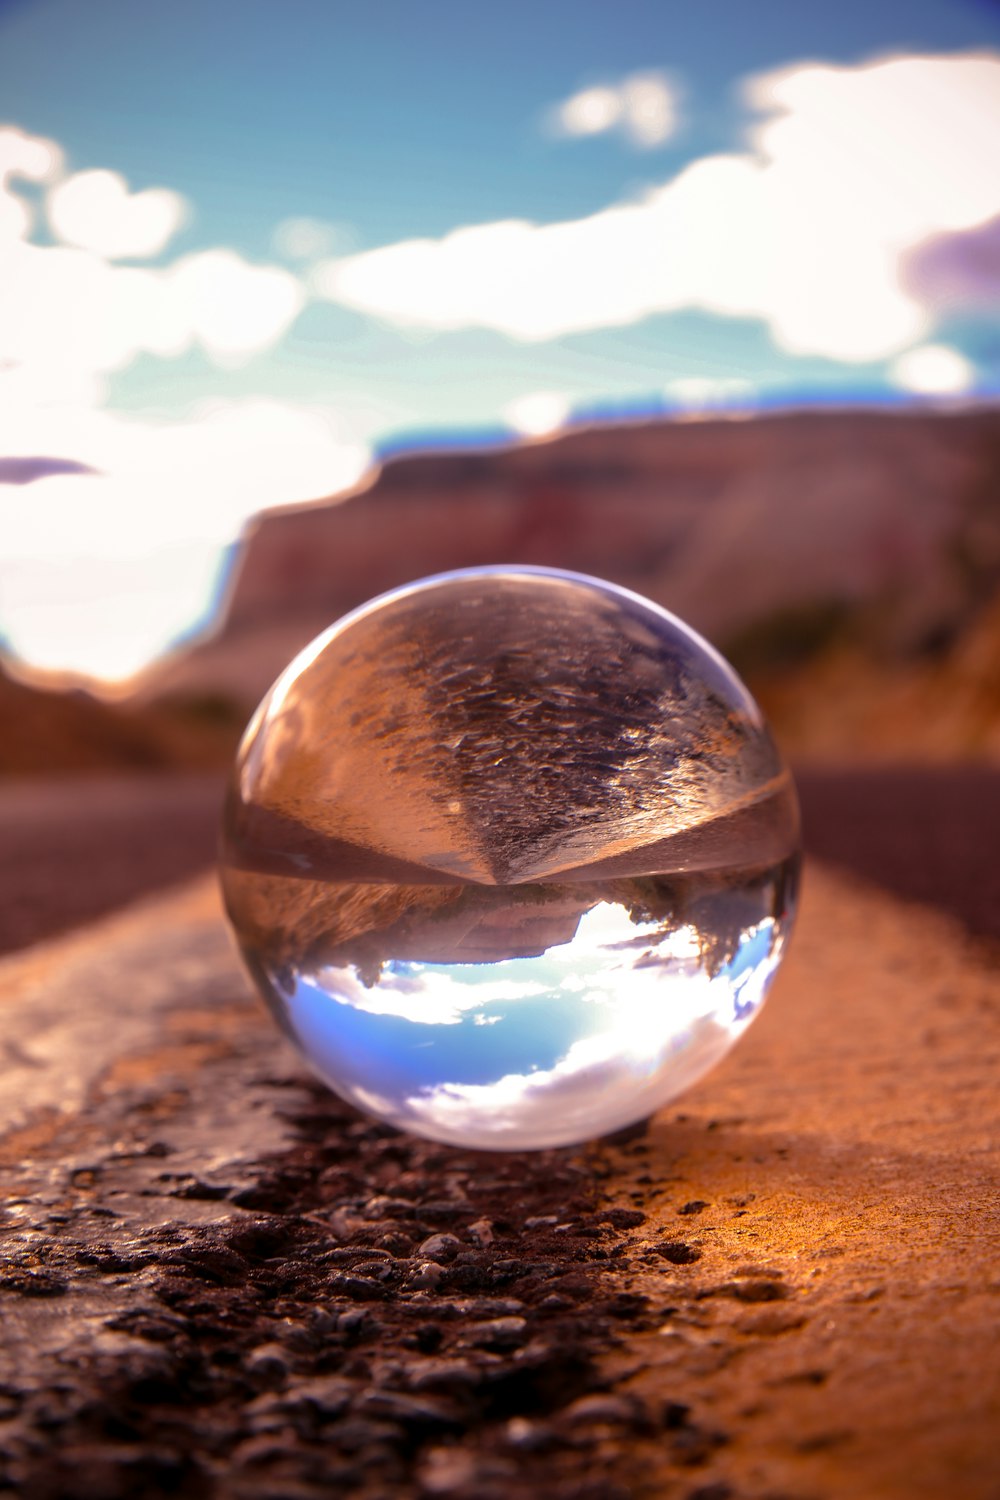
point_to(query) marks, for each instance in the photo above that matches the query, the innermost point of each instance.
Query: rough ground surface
(218, 1281)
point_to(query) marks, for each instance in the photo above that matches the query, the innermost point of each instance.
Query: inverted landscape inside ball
(512, 857)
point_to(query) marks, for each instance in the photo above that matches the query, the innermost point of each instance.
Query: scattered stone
(482, 1232)
(322, 1332)
(601, 1408)
(398, 1245)
(419, 1411)
(529, 1436)
(445, 1471)
(445, 1375)
(268, 1360)
(498, 1333)
(426, 1276)
(440, 1247)
(677, 1252)
(747, 1291)
(353, 1320)
(358, 1288)
(489, 1307)
(622, 1218)
(389, 1208)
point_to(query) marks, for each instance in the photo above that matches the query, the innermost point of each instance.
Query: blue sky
(244, 248)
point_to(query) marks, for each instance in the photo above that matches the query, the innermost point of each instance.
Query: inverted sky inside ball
(511, 855)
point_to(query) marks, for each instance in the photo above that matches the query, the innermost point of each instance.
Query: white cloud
(933, 370)
(669, 1025)
(643, 106)
(537, 413)
(28, 156)
(235, 309)
(425, 996)
(601, 1084)
(666, 1030)
(852, 167)
(95, 211)
(638, 1034)
(649, 109)
(68, 309)
(590, 112)
(32, 159)
(914, 140)
(99, 573)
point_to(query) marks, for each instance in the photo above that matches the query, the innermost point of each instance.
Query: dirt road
(74, 848)
(218, 1281)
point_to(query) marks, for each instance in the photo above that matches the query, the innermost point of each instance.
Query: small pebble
(498, 1333)
(398, 1406)
(678, 1253)
(599, 1408)
(425, 1276)
(528, 1436)
(440, 1247)
(482, 1232)
(352, 1320)
(267, 1359)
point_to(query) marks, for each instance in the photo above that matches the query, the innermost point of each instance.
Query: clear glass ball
(511, 855)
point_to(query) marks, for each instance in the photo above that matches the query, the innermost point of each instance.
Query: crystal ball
(511, 855)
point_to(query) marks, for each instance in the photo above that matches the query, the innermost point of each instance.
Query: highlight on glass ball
(512, 857)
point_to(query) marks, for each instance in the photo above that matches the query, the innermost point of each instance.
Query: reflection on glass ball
(511, 856)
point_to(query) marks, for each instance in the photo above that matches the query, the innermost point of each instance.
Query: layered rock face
(779, 522)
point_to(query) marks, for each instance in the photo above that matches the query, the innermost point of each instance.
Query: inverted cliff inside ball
(512, 857)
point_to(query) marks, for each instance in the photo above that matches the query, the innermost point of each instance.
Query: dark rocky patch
(361, 1314)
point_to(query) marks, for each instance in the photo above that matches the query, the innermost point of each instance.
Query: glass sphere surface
(511, 856)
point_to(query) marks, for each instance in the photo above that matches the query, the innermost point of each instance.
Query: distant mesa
(847, 561)
(27, 470)
(772, 536)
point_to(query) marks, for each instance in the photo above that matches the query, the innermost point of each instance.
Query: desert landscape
(395, 1102)
(727, 1305)
(847, 558)
(846, 562)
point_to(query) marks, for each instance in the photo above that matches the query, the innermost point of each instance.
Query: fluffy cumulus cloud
(69, 309)
(537, 413)
(644, 108)
(635, 1035)
(95, 211)
(846, 171)
(933, 370)
(127, 518)
(31, 159)
(140, 538)
(865, 200)
(233, 309)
